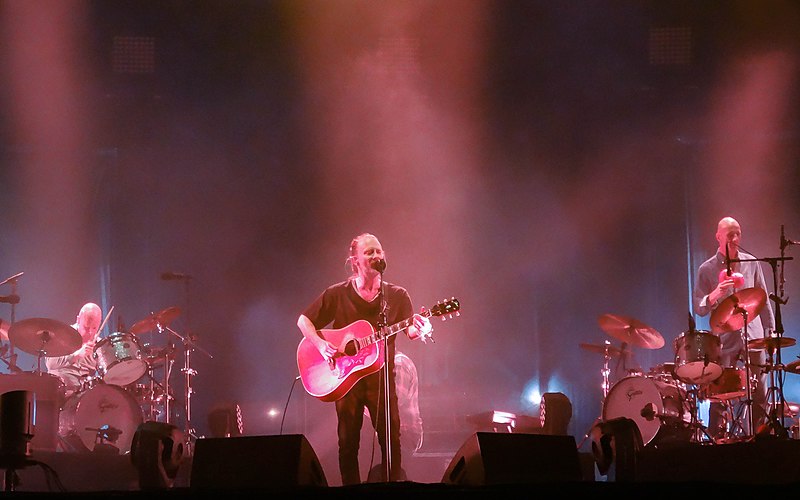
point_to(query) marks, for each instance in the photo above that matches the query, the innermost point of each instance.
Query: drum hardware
(607, 350)
(13, 299)
(733, 313)
(189, 345)
(775, 399)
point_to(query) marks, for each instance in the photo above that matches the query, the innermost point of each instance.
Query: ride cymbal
(729, 314)
(163, 318)
(50, 337)
(630, 330)
(771, 343)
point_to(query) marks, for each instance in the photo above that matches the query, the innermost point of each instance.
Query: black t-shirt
(340, 305)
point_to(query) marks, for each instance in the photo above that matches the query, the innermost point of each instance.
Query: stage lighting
(226, 421)
(555, 413)
(157, 452)
(616, 442)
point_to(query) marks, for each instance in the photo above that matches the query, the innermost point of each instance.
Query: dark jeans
(366, 393)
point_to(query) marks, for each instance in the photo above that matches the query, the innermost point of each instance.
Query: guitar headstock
(447, 309)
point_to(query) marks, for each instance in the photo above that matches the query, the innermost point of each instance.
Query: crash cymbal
(771, 343)
(601, 349)
(631, 331)
(163, 318)
(729, 314)
(53, 338)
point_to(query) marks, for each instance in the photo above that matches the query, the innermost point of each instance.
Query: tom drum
(120, 359)
(697, 356)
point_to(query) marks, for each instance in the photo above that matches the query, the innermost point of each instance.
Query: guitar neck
(388, 331)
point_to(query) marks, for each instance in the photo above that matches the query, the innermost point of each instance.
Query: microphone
(785, 242)
(379, 265)
(168, 276)
(727, 260)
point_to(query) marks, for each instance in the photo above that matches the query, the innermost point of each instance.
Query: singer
(718, 278)
(361, 297)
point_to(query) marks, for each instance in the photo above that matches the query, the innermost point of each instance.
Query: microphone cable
(289, 398)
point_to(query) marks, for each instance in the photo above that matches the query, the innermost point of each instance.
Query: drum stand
(606, 386)
(188, 346)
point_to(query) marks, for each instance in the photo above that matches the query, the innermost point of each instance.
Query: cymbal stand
(748, 388)
(189, 345)
(12, 299)
(606, 387)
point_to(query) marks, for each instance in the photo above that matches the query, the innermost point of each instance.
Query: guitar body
(330, 381)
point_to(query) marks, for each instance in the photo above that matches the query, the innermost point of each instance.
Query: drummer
(77, 368)
(717, 279)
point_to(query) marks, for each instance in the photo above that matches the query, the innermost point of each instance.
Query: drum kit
(104, 413)
(664, 402)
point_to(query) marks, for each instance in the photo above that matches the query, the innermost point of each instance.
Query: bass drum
(656, 407)
(103, 414)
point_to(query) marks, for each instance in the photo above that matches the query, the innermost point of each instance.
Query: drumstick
(100, 329)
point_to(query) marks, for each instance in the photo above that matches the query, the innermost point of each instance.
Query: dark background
(543, 162)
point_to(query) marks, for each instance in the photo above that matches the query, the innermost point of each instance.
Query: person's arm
(309, 331)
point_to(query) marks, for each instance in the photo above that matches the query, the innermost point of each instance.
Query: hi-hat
(163, 318)
(602, 349)
(729, 315)
(771, 343)
(50, 337)
(631, 331)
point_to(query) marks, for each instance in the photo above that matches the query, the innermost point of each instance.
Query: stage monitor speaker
(245, 462)
(499, 458)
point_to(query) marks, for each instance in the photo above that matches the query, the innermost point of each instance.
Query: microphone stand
(773, 262)
(387, 436)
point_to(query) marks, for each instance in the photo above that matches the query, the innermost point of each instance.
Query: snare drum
(120, 359)
(697, 357)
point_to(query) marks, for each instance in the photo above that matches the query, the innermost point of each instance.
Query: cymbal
(53, 338)
(728, 316)
(771, 343)
(631, 331)
(4, 326)
(793, 367)
(163, 318)
(601, 349)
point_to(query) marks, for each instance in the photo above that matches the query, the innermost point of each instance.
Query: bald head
(729, 234)
(88, 321)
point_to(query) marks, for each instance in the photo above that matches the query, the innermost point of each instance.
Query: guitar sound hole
(350, 348)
